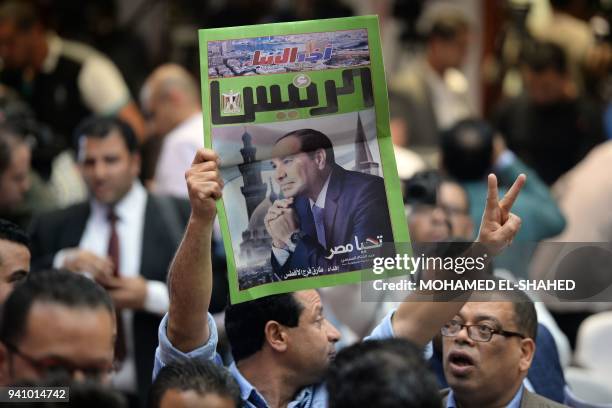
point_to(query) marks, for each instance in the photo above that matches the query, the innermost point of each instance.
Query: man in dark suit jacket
(146, 233)
(325, 207)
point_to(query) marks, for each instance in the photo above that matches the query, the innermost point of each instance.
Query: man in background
(14, 257)
(62, 81)
(57, 322)
(123, 237)
(431, 94)
(170, 99)
(194, 384)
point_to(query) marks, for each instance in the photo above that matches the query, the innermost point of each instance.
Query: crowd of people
(113, 271)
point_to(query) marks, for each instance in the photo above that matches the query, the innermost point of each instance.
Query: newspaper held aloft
(298, 113)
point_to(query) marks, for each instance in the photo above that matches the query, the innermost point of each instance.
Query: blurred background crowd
(503, 86)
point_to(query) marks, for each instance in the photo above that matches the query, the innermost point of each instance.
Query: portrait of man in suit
(123, 237)
(324, 206)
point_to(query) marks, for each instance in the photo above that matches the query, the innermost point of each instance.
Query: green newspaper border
(392, 184)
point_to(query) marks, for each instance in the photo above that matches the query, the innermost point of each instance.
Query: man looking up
(282, 344)
(486, 363)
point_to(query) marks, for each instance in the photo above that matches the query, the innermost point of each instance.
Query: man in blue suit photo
(327, 213)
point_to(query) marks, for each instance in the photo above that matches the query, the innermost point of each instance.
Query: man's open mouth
(460, 362)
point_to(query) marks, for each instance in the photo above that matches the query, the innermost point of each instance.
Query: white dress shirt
(130, 227)
(176, 155)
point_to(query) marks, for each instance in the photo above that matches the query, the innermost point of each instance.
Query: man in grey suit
(486, 364)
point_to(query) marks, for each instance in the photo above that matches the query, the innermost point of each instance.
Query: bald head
(169, 96)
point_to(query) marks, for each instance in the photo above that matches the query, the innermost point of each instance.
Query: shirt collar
(302, 400)
(54, 49)
(134, 198)
(514, 403)
(322, 194)
(245, 386)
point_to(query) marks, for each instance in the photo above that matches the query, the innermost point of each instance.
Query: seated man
(486, 363)
(396, 374)
(14, 257)
(282, 344)
(194, 384)
(57, 321)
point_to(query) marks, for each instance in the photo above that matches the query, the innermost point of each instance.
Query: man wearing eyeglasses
(57, 323)
(488, 348)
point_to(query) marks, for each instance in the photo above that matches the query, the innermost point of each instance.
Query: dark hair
(541, 56)
(311, 140)
(525, 314)
(9, 137)
(102, 126)
(55, 286)
(387, 373)
(445, 25)
(24, 13)
(245, 322)
(12, 232)
(203, 377)
(560, 4)
(422, 188)
(467, 149)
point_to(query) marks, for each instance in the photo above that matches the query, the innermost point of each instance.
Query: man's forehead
(113, 140)
(502, 311)
(287, 146)
(310, 299)
(7, 246)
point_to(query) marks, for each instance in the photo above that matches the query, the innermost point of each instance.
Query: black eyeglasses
(476, 332)
(56, 365)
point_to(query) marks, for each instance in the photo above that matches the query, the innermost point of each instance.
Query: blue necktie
(319, 219)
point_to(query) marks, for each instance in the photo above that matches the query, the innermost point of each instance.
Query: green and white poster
(298, 113)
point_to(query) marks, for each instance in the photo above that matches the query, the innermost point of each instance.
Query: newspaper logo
(301, 80)
(232, 102)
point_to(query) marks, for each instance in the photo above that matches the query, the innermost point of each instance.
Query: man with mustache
(488, 349)
(282, 344)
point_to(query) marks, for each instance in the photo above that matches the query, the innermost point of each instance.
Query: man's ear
(527, 352)
(136, 164)
(320, 158)
(276, 336)
(5, 377)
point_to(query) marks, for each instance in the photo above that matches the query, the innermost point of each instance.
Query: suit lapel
(331, 203)
(76, 227)
(150, 243)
